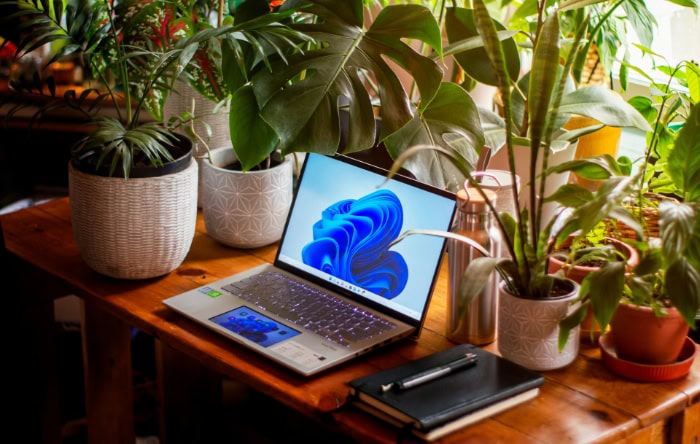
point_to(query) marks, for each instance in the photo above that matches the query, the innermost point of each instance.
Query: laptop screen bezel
(418, 323)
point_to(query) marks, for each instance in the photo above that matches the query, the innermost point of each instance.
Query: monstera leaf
(300, 97)
(450, 120)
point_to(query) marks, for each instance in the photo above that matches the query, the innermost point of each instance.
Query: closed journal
(443, 392)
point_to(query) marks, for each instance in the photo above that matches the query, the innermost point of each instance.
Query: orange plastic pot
(641, 336)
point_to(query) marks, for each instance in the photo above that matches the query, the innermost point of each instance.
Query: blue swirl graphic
(351, 242)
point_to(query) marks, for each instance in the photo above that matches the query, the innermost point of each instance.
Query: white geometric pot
(528, 330)
(245, 210)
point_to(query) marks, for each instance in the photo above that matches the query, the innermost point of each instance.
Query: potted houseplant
(673, 90)
(665, 174)
(583, 254)
(126, 225)
(585, 110)
(527, 289)
(240, 210)
(298, 105)
(665, 285)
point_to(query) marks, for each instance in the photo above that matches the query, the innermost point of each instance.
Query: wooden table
(582, 403)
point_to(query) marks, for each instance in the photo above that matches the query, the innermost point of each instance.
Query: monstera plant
(297, 104)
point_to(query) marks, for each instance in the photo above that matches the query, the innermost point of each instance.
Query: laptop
(335, 289)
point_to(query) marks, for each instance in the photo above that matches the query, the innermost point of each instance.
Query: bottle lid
(471, 201)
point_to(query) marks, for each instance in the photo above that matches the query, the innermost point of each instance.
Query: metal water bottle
(473, 219)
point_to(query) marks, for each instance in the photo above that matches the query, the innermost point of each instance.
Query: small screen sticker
(253, 326)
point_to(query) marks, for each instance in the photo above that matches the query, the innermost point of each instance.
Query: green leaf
(571, 195)
(606, 201)
(693, 81)
(606, 106)
(444, 234)
(683, 161)
(682, 285)
(543, 78)
(676, 228)
(459, 25)
(569, 323)
(476, 276)
(605, 287)
(301, 100)
(451, 116)
(593, 168)
(252, 138)
(645, 106)
(577, 4)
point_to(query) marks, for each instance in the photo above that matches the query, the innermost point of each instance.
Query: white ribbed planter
(245, 210)
(528, 330)
(136, 228)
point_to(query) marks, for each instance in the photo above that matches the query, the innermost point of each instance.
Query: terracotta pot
(528, 330)
(640, 336)
(589, 327)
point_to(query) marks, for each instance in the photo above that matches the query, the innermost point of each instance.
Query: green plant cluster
(136, 51)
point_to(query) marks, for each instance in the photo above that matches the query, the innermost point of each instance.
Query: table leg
(32, 395)
(109, 398)
(190, 394)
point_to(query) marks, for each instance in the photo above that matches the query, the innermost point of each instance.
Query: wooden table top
(581, 403)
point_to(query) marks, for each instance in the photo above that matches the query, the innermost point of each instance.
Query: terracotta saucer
(647, 372)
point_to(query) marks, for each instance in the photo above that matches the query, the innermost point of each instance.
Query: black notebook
(443, 405)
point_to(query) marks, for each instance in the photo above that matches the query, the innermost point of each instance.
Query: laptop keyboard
(323, 313)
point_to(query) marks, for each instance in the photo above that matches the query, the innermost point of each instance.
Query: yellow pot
(603, 141)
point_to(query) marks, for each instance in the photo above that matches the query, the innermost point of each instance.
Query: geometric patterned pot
(528, 330)
(245, 210)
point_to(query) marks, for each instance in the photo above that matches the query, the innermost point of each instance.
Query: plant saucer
(647, 372)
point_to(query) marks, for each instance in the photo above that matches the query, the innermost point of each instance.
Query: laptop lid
(344, 216)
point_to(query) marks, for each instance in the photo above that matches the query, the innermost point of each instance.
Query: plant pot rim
(285, 160)
(643, 308)
(571, 294)
(632, 255)
(182, 152)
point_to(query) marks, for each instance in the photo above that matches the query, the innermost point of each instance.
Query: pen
(431, 374)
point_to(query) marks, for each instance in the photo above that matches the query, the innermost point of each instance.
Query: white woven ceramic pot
(245, 210)
(134, 228)
(528, 330)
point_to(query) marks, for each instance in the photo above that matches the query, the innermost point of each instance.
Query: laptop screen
(342, 220)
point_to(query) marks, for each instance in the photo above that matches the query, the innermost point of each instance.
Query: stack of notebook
(446, 391)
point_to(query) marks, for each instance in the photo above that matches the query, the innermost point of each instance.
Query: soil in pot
(180, 149)
(271, 162)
